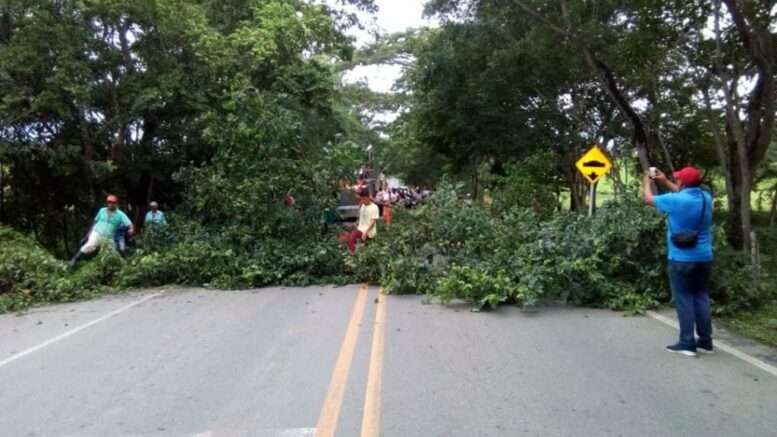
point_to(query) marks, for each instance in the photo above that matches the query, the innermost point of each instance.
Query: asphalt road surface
(329, 361)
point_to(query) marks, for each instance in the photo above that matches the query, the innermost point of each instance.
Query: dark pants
(690, 291)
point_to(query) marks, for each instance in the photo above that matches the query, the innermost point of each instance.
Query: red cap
(112, 199)
(689, 176)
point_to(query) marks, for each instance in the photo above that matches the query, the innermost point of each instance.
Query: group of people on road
(411, 197)
(112, 226)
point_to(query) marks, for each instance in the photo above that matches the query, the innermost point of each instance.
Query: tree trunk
(142, 209)
(745, 189)
(773, 212)
(734, 222)
(2, 193)
(720, 146)
(618, 184)
(573, 181)
(150, 190)
(753, 135)
(65, 233)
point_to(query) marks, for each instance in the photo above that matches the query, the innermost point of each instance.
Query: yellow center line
(371, 418)
(330, 412)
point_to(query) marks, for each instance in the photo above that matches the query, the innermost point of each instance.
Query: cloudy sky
(393, 16)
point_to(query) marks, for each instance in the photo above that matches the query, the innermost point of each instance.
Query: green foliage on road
(453, 248)
(30, 275)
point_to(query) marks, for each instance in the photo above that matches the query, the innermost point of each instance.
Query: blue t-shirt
(684, 211)
(157, 218)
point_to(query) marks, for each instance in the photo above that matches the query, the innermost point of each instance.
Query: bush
(219, 263)
(487, 289)
(454, 249)
(733, 288)
(30, 275)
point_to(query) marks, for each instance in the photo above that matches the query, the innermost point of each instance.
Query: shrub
(453, 249)
(486, 288)
(30, 275)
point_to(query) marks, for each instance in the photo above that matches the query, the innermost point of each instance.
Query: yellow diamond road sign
(594, 164)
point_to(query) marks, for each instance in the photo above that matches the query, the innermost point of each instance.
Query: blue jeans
(690, 292)
(120, 239)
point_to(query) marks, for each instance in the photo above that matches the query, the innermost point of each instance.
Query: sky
(393, 16)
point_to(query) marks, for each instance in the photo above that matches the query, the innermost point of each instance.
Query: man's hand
(364, 236)
(665, 182)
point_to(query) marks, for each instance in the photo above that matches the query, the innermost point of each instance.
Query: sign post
(592, 200)
(593, 165)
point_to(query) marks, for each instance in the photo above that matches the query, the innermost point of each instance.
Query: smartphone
(652, 171)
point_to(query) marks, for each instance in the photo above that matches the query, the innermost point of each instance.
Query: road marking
(287, 432)
(763, 365)
(297, 432)
(330, 412)
(67, 334)
(371, 418)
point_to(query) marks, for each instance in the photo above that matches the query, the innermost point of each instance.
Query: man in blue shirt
(154, 216)
(689, 242)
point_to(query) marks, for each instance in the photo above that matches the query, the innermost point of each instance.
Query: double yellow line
(330, 413)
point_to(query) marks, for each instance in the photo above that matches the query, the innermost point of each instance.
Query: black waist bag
(689, 239)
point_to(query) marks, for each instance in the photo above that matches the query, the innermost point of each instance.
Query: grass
(760, 324)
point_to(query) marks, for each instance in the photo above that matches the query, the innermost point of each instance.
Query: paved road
(340, 361)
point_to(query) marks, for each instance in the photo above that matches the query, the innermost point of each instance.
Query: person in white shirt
(367, 227)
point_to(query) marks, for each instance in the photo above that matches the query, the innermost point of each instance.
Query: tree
(643, 56)
(750, 118)
(119, 96)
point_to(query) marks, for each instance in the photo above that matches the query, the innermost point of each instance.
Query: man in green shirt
(106, 223)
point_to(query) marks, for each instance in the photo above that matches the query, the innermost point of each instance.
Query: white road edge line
(286, 432)
(67, 334)
(297, 432)
(766, 367)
